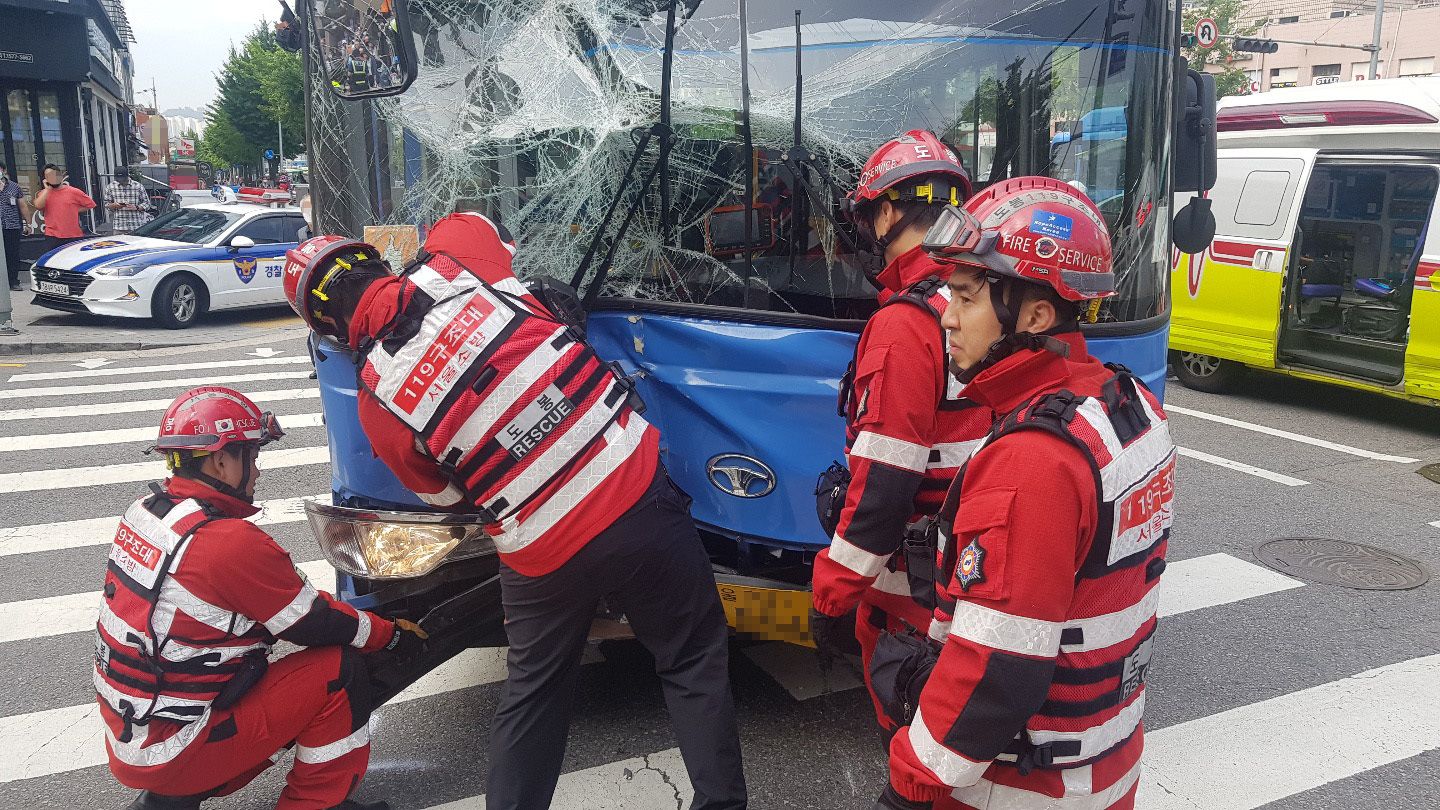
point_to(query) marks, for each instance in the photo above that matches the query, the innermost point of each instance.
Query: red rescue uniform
(1047, 617)
(230, 591)
(907, 433)
(630, 458)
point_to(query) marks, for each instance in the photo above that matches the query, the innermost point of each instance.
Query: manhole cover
(1340, 562)
(1431, 471)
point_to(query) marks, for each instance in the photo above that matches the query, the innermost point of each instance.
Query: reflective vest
(504, 397)
(1097, 694)
(160, 651)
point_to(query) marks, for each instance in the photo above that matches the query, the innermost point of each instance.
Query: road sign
(1207, 33)
(269, 154)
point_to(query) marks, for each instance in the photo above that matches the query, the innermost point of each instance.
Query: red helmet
(1035, 229)
(206, 419)
(905, 168)
(311, 266)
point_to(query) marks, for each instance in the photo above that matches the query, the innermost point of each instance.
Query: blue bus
(680, 163)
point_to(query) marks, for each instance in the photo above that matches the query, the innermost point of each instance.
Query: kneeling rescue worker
(908, 429)
(1052, 538)
(195, 595)
(481, 400)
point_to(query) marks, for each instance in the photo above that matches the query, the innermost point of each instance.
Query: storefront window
(22, 136)
(50, 132)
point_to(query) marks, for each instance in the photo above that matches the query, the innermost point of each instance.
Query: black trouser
(12, 254)
(52, 242)
(650, 564)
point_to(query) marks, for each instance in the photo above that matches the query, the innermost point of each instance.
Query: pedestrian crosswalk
(1220, 758)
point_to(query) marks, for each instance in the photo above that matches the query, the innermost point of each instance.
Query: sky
(181, 44)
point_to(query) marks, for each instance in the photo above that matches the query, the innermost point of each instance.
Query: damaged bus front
(680, 163)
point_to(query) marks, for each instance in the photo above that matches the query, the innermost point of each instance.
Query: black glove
(833, 635)
(892, 800)
(408, 642)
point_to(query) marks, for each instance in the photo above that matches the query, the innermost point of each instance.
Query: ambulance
(1327, 240)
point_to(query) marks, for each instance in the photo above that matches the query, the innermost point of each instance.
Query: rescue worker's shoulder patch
(970, 568)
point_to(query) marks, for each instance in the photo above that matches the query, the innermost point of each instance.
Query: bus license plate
(53, 288)
(757, 609)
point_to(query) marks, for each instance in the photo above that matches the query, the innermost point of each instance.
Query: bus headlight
(375, 544)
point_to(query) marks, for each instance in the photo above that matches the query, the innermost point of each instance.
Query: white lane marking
(94, 438)
(100, 531)
(57, 391)
(1216, 579)
(1194, 584)
(72, 477)
(1227, 761)
(1230, 464)
(1285, 434)
(156, 406)
(656, 781)
(76, 612)
(264, 352)
(36, 376)
(1435, 523)
(90, 362)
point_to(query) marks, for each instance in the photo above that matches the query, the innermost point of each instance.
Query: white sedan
(176, 267)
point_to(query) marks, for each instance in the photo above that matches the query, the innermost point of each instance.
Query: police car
(176, 267)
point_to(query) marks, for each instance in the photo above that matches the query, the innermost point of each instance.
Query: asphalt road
(1266, 690)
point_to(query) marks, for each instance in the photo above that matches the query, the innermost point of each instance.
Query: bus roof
(1387, 114)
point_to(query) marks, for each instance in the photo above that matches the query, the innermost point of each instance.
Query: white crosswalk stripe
(94, 438)
(61, 391)
(72, 477)
(151, 406)
(138, 371)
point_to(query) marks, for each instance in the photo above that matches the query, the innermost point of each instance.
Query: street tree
(260, 85)
(1221, 60)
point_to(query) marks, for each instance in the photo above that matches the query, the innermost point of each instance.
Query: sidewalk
(47, 331)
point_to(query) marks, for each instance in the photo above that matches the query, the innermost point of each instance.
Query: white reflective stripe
(140, 755)
(511, 285)
(359, 738)
(891, 451)
(174, 596)
(493, 227)
(175, 650)
(435, 285)
(113, 697)
(294, 611)
(1105, 630)
(505, 394)
(1005, 631)
(896, 583)
(954, 454)
(985, 793)
(620, 444)
(939, 630)
(952, 768)
(362, 629)
(1127, 464)
(449, 496)
(855, 558)
(1096, 740)
(566, 447)
(1078, 781)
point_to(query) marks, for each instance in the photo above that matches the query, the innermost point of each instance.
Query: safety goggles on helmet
(957, 238)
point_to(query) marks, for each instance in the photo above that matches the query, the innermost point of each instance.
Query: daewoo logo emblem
(741, 476)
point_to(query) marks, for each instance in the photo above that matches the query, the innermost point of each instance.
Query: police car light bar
(1320, 114)
(265, 196)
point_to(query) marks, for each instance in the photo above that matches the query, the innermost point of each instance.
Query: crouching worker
(481, 400)
(195, 595)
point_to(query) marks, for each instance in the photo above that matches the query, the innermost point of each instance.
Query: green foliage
(1229, 16)
(259, 85)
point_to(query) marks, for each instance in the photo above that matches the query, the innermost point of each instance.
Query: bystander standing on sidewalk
(62, 204)
(14, 213)
(127, 202)
(7, 329)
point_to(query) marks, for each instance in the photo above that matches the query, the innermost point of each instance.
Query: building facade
(1409, 41)
(66, 80)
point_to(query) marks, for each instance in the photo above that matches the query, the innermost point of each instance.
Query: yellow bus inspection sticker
(766, 609)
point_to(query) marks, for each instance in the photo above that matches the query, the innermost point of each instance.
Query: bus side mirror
(365, 47)
(1194, 162)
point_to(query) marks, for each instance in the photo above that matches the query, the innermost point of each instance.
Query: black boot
(154, 801)
(351, 804)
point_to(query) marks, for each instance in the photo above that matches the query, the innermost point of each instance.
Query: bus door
(1422, 355)
(1227, 300)
(1353, 275)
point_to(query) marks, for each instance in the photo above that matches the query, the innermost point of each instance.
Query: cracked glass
(534, 112)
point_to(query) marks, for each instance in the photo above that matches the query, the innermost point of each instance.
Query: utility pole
(280, 155)
(1375, 39)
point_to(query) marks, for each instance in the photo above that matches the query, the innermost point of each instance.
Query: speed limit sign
(1207, 33)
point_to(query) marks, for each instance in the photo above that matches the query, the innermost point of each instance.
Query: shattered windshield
(534, 113)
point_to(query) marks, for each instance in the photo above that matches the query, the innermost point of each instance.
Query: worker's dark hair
(348, 288)
(186, 463)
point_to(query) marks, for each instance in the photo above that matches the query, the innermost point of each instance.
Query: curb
(61, 347)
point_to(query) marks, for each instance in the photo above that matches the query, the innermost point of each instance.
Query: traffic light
(1253, 45)
(1189, 40)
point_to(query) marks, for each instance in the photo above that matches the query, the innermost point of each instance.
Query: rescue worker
(482, 400)
(907, 428)
(195, 596)
(1052, 538)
